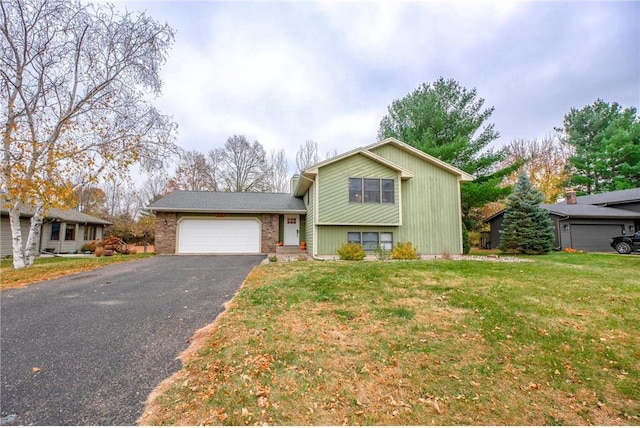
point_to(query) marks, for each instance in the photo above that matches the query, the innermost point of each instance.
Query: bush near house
(351, 251)
(404, 251)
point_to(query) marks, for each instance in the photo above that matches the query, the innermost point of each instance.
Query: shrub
(99, 251)
(351, 251)
(404, 251)
(273, 259)
(133, 251)
(466, 246)
(382, 253)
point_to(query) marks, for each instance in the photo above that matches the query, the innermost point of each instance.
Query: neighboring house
(62, 231)
(379, 195)
(586, 222)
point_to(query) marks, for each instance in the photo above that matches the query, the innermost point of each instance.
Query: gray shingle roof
(64, 215)
(586, 210)
(608, 198)
(229, 202)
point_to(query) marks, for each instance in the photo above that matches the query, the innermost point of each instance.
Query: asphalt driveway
(88, 349)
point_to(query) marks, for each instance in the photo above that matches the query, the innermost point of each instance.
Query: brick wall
(166, 224)
(270, 232)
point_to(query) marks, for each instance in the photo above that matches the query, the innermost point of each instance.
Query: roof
(593, 206)
(229, 202)
(310, 172)
(586, 210)
(64, 215)
(611, 198)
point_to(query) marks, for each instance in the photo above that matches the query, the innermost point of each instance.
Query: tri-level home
(377, 196)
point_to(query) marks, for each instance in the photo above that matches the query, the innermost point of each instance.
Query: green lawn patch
(54, 267)
(439, 342)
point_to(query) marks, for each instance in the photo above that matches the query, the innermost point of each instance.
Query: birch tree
(76, 82)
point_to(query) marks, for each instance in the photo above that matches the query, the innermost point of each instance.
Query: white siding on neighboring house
(6, 239)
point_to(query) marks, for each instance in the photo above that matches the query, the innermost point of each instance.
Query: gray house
(585, 222)
(63, 231)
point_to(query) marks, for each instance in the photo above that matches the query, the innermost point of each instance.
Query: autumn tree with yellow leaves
(75, 90)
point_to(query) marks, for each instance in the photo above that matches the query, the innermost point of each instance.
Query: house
(378, 195)
(62, 231)
(586, 222)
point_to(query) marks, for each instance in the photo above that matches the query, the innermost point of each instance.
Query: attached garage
(218, 236)
(594, 237)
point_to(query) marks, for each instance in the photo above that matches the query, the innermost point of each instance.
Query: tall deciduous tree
(450, 122)
(278, 178)
(606, 140)
(193, 173)
(526, 228)
(545, 163)
(75, 81)
(307, 155)
(243, 165)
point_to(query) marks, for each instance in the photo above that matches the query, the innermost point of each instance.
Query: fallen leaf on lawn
(474, 383)
(262, 401)
(439, 409)
(452, 376)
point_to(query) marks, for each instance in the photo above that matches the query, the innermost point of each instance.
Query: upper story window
(371, 190)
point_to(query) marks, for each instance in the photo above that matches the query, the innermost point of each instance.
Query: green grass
(551, 341)
(54, 267)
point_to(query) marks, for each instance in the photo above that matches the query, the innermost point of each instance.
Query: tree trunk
(33, 241)
(16, 236)
(25, 257)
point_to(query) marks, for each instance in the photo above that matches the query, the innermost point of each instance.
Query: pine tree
(526, 228)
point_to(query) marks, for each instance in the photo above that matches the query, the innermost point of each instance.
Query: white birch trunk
(16, 237)
(31, 248)
(25, 257)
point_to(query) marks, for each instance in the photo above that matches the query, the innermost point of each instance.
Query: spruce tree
(526, 228)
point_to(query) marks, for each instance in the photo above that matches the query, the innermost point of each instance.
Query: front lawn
(440, 342)
(54, 267)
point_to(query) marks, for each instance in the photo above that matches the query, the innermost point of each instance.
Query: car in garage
(625, 244)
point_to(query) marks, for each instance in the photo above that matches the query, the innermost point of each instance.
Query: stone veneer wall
(166, 228)
(270, 232)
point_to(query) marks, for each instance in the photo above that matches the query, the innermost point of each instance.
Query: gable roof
(64, 215)
(587, 210)
(229, 202)
(612, 198)
(307, 176)
(592, 206)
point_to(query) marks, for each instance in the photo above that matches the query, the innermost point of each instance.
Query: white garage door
(212, 236)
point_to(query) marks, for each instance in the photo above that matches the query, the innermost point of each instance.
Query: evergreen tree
(526, 228)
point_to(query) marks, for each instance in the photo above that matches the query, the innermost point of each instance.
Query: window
(291, 220)
(386, 241)
(55, 231)
(354, 238)
(372, 190)
(355, 190)
(388, 191)
(371, 240)
(89, 233)
(70, 232)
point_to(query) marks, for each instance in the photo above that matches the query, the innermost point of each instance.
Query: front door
(291, 229)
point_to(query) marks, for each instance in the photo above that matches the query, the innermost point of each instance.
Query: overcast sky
(286, 72)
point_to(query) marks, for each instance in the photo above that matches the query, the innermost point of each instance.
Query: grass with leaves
(46, 268)
(553, 341)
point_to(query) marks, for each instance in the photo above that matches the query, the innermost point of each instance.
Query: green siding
(333, 193)
(430, 204)
(309, 202)
(334, 236)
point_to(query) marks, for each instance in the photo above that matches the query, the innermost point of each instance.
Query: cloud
(285, 72)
